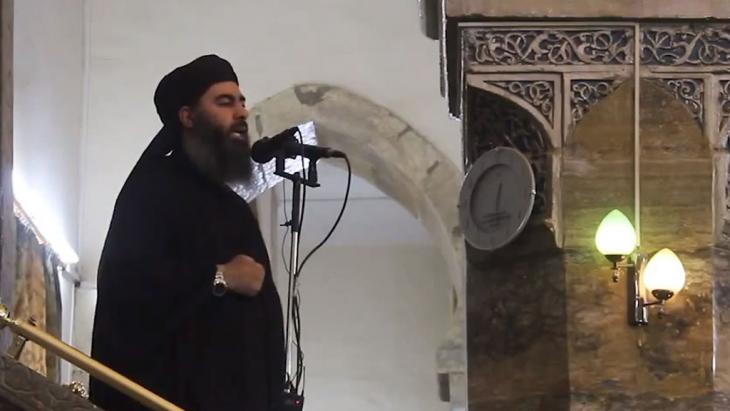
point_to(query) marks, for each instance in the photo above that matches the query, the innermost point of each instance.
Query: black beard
(215, 153)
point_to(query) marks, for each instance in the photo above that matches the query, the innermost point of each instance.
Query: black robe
(157, 321)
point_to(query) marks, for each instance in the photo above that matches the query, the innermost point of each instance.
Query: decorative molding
(23, 389)
(689, 91)
(497, 122)
(539, 93)
(700, 45)
(548, 46)
(726, 215)
(586, 93)
(691, 61)
(724, 104)
(724, 110)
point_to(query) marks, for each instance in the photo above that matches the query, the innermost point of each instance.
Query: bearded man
(186, 304)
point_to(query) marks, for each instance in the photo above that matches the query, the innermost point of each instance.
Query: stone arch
(383, 149)
(390, 154)
(537, 116)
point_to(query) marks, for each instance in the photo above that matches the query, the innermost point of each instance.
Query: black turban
(184, 85)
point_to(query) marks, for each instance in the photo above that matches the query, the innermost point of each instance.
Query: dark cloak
(157, 321)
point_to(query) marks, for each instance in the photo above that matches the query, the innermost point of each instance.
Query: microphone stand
(292, 399)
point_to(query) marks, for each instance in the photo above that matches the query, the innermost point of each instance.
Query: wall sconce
(663, 275)
(616, 239)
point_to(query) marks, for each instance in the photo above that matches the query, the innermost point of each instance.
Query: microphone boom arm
(311, 178)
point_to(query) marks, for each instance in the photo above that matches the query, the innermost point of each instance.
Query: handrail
(88, 364)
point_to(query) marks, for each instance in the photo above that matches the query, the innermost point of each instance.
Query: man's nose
(242, 112)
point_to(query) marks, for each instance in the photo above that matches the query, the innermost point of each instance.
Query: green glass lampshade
(615, 235)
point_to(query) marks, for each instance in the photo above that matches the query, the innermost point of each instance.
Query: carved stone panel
(496, 122)
(691, 92)
(586, 93)
(724, 104)
(686, 45)
(680, 196)
(539, 94)
(548, 46)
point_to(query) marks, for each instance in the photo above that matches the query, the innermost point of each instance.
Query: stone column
(7, 219)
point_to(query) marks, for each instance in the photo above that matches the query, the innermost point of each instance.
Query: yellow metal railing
(88, 364)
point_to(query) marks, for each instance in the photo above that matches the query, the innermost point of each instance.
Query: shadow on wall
(516, 306)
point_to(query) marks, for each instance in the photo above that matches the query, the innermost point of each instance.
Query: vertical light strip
(637, 135)
(45, 222)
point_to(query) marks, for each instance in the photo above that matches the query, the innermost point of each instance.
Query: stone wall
(547, 327)
(516, 322)
(671, 359)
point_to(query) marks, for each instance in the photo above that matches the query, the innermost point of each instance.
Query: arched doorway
(392, 156)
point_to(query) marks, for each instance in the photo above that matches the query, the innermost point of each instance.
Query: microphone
(285, 143)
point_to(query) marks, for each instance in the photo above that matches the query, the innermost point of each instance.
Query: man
(186, 302)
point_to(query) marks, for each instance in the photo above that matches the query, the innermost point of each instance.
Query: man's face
(219, 132)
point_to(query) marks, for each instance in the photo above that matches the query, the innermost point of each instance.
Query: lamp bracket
(636, 303)
(636, 300)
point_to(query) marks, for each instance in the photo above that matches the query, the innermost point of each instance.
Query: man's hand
(243, 275)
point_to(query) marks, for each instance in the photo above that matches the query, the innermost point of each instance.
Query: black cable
(289, 317)
(295, 309)
(298, 338)
(283, 252)
(293, 382)
(339, 217)
(286, 233)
